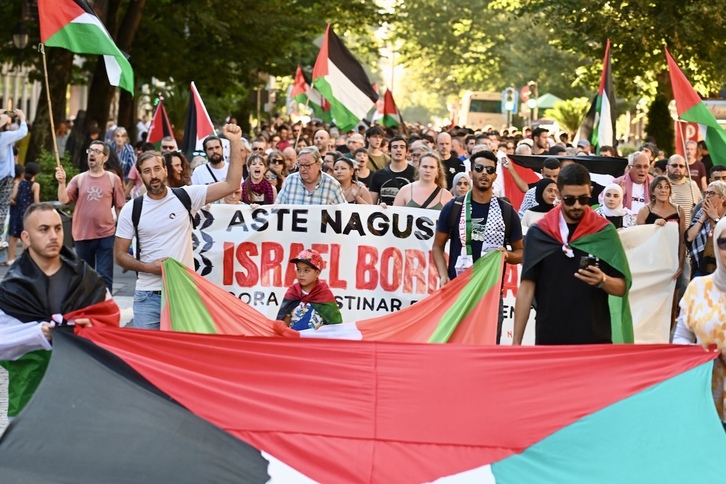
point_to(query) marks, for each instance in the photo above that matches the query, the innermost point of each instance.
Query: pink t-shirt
(93, 218)
(135, 176)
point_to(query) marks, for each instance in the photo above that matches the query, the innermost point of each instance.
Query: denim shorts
(147, 309)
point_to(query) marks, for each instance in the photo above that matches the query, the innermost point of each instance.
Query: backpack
(183, 197)
(458, 206)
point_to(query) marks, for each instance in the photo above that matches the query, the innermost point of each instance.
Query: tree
(569, 114)
(659, 125)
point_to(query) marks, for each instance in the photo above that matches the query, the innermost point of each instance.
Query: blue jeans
(147, 309)
(98, 253)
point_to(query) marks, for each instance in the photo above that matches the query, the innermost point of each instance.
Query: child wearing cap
(309, 303)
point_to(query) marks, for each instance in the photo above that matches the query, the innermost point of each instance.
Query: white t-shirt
(637, 197)
(164, 231)
(203, 174)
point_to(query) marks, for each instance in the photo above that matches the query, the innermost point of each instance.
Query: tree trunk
(127, 114)
(60, 62)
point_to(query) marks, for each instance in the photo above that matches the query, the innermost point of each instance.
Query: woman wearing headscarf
(461, 185)
(613, 209)
(702, 319)
(545, 194)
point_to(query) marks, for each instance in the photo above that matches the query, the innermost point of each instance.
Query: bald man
(452, 164)
(322, 141)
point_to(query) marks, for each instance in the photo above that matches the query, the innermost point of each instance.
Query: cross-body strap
(431, 197)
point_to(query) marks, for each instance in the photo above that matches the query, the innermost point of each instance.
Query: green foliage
(569, 114)
(46, 177)
(660, 124)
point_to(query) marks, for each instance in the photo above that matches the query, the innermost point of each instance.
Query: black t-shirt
(452, 166)
(569, 311)
(367, 180)
(58, 288)
(479, 215)
(386, 183)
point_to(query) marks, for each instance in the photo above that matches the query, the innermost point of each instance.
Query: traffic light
(532, 98)
(509, 100)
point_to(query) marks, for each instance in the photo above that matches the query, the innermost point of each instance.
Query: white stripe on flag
(605, 135)
(113, 70)
(87, 18)
(347, 93)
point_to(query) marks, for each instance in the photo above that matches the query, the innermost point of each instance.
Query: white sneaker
(3, 245)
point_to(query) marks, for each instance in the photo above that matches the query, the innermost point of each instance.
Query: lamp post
(20, 37)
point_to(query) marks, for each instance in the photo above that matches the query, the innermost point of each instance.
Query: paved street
(123, 293)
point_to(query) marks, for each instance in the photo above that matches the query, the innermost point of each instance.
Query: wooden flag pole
(41, 48)
(688, 168)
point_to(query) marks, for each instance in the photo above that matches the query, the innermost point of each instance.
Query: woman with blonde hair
(429, 189)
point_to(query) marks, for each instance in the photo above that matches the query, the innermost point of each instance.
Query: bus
(479, 109)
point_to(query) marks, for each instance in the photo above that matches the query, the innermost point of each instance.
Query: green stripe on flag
(345, 120)
(484, 278)
(715, 134)
(186, 309)
(668, 433)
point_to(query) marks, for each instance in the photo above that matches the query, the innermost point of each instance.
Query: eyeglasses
(258, 148)
(489, 169)
(677, 166)
(641, 167)
(301, 166)
(278, 161)
(710, 193)
(94, 151)
(721, 242)
(570, 200)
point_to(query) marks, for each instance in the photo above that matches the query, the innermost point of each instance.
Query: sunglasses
(489, 169)
(677, 166)
(570, 200)
(167, 147)
(278, 161)
(721, 242)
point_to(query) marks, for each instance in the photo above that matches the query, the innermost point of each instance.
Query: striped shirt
(326, 192)
(686, 195)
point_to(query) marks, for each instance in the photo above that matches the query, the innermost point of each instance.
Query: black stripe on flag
(344, 60)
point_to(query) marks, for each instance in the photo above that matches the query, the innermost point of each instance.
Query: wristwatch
(602, 283)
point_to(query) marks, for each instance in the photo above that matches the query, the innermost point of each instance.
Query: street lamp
(20, 36)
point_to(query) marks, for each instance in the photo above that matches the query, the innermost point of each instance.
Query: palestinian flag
(594, 235)
(74, 25)
(198, 124)
(691, 108)
(463, 311)
(160, 126)
(391, 114)
(212, 408)
(305, 94)
(340, 78)
(599, 124)
(598, 165)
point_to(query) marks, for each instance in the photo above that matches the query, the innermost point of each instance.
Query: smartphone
(587, 261)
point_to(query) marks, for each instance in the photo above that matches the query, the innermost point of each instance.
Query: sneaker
(3, 245)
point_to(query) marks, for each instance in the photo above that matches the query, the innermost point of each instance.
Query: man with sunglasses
(475, 224)
(309, 185)
(573, 262)
(167, 145)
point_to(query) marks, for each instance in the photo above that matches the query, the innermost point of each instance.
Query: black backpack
(183, 197)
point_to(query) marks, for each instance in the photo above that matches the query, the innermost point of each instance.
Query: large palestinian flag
(160, 126)
(305, 94)
(198, 125)
(599, 124)
(464, 311)
(691, 108)
(340, 78)
(74, 25)
(126, 405)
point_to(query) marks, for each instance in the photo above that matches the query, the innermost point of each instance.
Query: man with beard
(310, 186)
(96, 193)
(216, 169)
(452, 164)
(475, 224)
(573, 263)
(540, 144)
(636, 182)
(161, 221)
(47, 281)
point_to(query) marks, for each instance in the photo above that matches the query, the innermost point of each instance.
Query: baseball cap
(310, 257)
(583, 143)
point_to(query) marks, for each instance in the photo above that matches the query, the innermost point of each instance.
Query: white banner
(378, 260)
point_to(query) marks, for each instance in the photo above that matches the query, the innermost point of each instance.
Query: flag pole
(302, 125)
(41, 48)
(688, 168)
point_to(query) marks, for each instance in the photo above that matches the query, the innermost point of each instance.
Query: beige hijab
(719, 276)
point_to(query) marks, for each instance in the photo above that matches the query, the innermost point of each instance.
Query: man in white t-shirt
(214, 171)
(164, 227)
